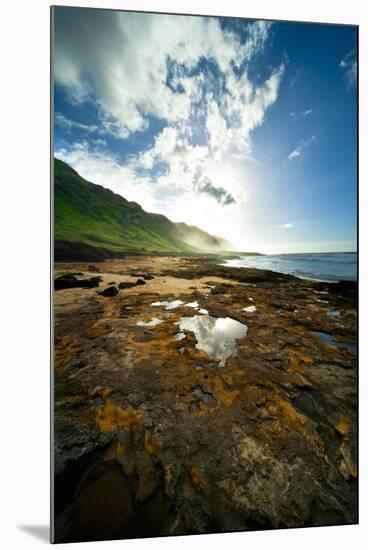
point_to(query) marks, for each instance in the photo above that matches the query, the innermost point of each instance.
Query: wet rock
(71, 281)
(343, 287)
(267, 441)
(347, 465)
(218, 290)
(199, 393)
(264, 414)
(218, 311)
(75, 447)
(333, 314)
(126, 285)
(148, 277)
(311, 403)
(93, 282)
(109, 291)
(140, 282)
(98, 401)
(77, 367)
(65, 281)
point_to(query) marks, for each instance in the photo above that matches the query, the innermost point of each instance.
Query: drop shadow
(40, 532)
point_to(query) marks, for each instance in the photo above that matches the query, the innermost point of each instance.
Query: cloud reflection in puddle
(215, 336)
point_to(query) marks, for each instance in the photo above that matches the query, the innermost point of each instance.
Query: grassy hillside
(88, 213)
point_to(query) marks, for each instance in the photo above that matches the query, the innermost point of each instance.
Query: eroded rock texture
(152, 437)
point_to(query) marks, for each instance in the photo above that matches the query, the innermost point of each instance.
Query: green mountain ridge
(91, 214)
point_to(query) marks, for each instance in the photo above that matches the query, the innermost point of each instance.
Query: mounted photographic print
(204, 183)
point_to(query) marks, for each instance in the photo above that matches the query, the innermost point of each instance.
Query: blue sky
(246, 129)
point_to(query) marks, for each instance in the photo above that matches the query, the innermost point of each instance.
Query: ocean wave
(334, 266)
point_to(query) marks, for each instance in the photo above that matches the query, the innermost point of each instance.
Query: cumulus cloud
(349, 65)
(189, 72)
(123, 60)
(303, 144)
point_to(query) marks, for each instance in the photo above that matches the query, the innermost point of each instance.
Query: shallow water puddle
(333, 313)
(152, 323)
(215, 336)
(194, 305)
(169, 304)
(250, 309)
(330, 341)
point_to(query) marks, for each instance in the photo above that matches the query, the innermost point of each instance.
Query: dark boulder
(126, 285)
(148, 277)
(343, 287)
(140, 282)
(109, 291)
(97, 278)
(65, 281)
(71, 281)
(89, 283)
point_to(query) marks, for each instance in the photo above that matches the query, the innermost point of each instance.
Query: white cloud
(164, 145)
(131, 84)
(142, 50)
(135, 66)
(303, 144)
(303, 113)
(285, 226)
(246, 105)
(295, 78)
(294, 154)
(97, 166)
(160, 195)
(349, 65)
(68, 124)
(219, 133)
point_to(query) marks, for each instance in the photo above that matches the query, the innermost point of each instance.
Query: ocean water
(331, 266)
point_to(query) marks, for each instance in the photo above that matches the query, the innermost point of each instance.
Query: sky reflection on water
(215, 336)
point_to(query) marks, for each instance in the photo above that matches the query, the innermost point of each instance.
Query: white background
(24, 272)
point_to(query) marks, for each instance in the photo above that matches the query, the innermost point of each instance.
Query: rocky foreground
(153, 437)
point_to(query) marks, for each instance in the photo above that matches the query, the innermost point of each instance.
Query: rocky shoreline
(154, 438)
